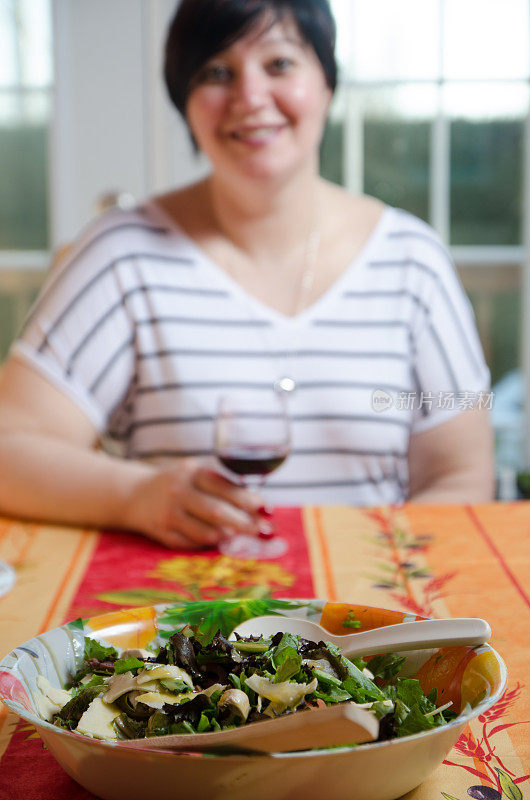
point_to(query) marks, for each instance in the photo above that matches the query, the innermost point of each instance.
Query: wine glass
(252, 438)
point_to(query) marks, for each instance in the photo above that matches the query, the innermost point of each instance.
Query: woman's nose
(250, 89)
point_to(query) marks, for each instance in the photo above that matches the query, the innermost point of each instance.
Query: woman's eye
(280, 65)
(214, 73)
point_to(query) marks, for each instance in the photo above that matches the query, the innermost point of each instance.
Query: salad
(197, 683)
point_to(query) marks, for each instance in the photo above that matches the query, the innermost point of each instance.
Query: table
(433, 561)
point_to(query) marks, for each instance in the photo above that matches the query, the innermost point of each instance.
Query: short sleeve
(78, 334)
(449, 371)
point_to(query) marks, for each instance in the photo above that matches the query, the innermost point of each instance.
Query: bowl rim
(461, 720)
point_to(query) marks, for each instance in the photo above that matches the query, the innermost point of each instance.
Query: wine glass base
(253, 548)
(7, 578)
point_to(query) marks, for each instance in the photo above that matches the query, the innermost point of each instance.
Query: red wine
(252, 460)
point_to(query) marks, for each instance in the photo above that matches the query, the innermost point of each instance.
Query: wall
(113, 127)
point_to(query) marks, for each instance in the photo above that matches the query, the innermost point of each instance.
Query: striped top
(144, 332)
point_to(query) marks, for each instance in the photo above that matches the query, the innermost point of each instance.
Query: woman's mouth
(256, 136)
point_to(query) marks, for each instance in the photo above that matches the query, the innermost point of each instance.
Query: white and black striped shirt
(143, 331)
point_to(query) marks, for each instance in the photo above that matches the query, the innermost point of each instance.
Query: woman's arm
(453, 462)
(51, 471)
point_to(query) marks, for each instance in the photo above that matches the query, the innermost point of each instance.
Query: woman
(261, 275)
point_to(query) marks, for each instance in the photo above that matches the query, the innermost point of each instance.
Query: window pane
(332, 148)
(486, 165)
(495, 292)
(17, 292)
(23, 166)
(26, 70)
(486, 39)
(35, 32)
(386, 40)
(8, 49)
(25, 43)
(397, 134)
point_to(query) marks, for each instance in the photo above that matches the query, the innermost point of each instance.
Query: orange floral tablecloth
(434, 561)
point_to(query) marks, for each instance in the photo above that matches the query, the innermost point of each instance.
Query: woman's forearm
(49, 479)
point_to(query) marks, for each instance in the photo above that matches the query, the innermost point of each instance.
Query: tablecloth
(433, 561)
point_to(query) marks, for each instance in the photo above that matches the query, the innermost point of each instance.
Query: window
(26, 78)
(25, 96)
(431, 115)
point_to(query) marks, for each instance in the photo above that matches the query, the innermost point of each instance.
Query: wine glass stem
(252, 481)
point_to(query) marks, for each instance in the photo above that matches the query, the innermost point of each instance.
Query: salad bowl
(471, 678)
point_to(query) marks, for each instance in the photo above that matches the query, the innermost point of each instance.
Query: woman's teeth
(255, 133)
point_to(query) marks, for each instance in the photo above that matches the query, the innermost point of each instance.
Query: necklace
(287, 383)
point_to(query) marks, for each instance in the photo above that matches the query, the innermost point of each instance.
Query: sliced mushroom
(233, 706)
(138, 652)
(118, 685)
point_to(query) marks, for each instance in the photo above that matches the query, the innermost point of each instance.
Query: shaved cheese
(58, 696)
(149, 686)
(44, 706)
(157, 699)
(161, 671)
(213, 688)
(97, 720)
(282, 695)
(49, 700)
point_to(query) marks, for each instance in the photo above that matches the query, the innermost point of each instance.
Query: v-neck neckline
(259, 307)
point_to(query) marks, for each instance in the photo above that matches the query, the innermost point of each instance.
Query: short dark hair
(202, 28)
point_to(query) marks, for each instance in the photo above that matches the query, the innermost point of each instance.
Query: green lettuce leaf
(94, 649)
(128, 665)
(286, 659)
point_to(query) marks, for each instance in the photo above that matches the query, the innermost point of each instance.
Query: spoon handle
(415, 636)
(343, 723)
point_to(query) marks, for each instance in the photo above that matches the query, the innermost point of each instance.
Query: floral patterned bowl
(473, 678)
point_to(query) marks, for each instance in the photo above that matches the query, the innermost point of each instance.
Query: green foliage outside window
(24, 187)
(486, 182)
(396, 165)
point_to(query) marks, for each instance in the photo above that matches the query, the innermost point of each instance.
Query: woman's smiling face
(258, 108)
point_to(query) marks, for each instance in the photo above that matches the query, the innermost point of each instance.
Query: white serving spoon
(420, 635)
(344, 723)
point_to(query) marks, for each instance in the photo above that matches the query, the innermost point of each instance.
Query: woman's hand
(189, 505)
(51, 472)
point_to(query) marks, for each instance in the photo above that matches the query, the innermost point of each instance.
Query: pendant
(285, 385)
